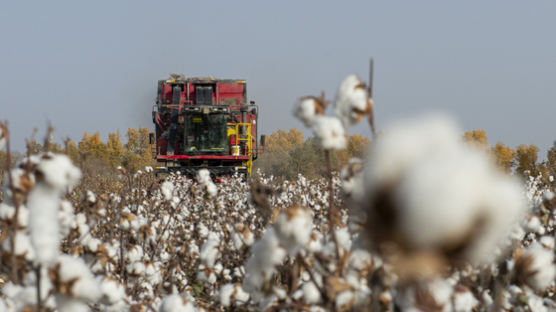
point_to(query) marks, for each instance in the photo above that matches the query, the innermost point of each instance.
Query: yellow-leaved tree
(526, 160)
(504, 156)
(137, 151)
(551, 159)
(92, 146)
(115, 149)
(477, 138)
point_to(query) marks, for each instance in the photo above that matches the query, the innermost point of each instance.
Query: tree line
(523, 160)
(287, 154)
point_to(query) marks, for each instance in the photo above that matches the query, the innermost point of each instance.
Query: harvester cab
(205, 123)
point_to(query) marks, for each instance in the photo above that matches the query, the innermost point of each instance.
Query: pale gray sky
(93, 65)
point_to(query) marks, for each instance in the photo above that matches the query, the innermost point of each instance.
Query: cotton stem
(39, 301)
(332, 212)
(15, 277)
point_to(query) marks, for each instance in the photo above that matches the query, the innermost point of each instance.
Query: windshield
(205, 133)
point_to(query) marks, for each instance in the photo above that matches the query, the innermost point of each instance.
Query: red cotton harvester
(205, 123)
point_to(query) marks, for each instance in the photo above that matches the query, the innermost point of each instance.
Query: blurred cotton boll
(535, 267)
(352, 101)
(329, 133)
(58, 172)
(425, 190)
(308, 108)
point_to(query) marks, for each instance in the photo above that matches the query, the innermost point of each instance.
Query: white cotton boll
(91, 198)
(225, 294)
(85, 286)
(58, 171)
(241, 296)
(93, 243)
(315, 242)
(352, 101)
(209, 250)
(167, 189)
(80, 218)
(202, 230)
(515, 290)
(206, 276)
(306, 110)
(487, 299)
(360, 259)
(22, 245)
(548, 195)
(148, 169)
(134, 254)
(293, 228)
(352, 184)
(279, 292)
(212, 190)
(534, 225)
(193, 249)
(464, 301)
(176, 303)
(237, 239)
(18, 296)
(232, 294)
(112, 291)
(203, 177)
(43, 205)
(441, 291)
(65, 218)
(344, 238)
(6, 211)
(45, 283)
(344, 298)
(329, 132)
(311, 293)
(265, 255)
(136, 268)
(536, 266)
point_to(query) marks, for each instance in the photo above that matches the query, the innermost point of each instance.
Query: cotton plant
(203, 176)
(55, 174)
(352, 101)
(309, 108)
(170, 247)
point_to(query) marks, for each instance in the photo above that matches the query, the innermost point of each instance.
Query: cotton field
(424, 223)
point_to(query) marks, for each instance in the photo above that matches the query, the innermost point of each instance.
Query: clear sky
(93, 65)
